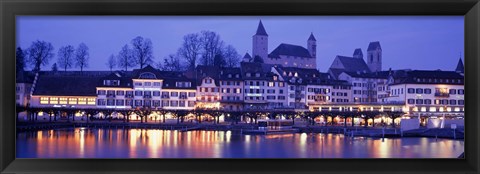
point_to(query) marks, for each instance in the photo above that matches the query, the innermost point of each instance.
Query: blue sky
(415, 42)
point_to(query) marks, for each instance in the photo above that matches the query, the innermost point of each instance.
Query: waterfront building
(231, 89)
(255, 76)
(428, 93)
(208, 88)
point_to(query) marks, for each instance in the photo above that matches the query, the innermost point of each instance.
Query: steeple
(460, 68)
(247, 57)
(312, 38)
(260, 42)
(358, 53)
(312, 46)
(261, 30)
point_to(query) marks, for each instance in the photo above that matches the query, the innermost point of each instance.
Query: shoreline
(359, 131)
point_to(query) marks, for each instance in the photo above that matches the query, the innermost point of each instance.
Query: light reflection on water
(154, 143)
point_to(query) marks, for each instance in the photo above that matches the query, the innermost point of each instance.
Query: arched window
(147, 75)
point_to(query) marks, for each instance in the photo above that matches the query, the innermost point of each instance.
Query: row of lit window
(154, 103)
(147, 84)
(436, 102)
(65, 100)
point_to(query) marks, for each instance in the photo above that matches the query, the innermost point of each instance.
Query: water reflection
(154, 143)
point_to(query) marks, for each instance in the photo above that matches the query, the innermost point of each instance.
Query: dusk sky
(426, 42)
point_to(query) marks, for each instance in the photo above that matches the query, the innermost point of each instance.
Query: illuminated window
(63, 100)
(271, 84)
(82, 101)
(91, 101)
(54, 100)
(43, 100)
(72, 101)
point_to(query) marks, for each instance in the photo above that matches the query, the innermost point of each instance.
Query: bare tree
(211, 46)
(191, 49)
(171, 63)
(231, 56)
(39, 53)
(82, 56)
(65, 57)
(142, 51)
(125, 58)
(112, 62)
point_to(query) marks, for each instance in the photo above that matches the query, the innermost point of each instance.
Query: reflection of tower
(374, 56)
(312, 46)
(260, 42)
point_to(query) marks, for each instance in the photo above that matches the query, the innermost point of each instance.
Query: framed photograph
(234, 87)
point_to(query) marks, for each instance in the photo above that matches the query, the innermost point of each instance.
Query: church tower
(374, 56)
(312, 46)
(260, 42)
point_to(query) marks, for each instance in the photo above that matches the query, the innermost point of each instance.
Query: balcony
(165, 96)
(147, 96)
(110, 95)
(183, 97)
(442, 94)
(129, 96)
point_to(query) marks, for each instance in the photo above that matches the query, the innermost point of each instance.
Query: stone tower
(312, 46)
(374, 56)
(260, 42)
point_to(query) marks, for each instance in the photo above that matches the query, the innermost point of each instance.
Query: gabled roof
(305, 76)
(460, 67)
(66, 85)
(424, 76)
(230, 74)
(203, 71)
(125, 81)
(261, 30)
(171, 83)
(253, 68)
(312, 38)
(247, 56)
(24, 77)
(353, 64)
(289, 50)
(376, 75)
(374, 46)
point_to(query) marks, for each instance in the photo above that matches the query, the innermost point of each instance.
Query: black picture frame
(10, 8)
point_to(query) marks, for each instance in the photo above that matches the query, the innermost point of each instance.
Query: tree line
(203, 48)
(41, 52)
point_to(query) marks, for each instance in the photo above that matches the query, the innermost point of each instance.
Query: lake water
(154, 143)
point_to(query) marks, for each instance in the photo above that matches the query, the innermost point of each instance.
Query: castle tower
(260, 42)
(358, 53)
(312, 45)
(374, 56)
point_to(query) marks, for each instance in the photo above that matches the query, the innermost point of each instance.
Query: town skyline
(429, 49)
